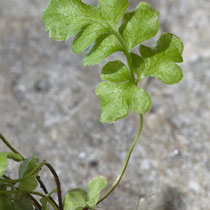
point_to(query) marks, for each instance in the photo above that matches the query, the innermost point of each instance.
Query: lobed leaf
(160, 60)
(97, 27)
(113, 9)
(63, 18)
(139, 25)
(115, 71)
(75, 199)
(86, 37)
(139, 100)
(118, 98)
(95, 186)
(104, 46)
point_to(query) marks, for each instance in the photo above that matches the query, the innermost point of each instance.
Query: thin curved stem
(50, 193)
(35, 202)
(45, 189)
(126, 52)
(45, 197)
(33, 193)
(9, 145)
(114, 185)
(57, 181)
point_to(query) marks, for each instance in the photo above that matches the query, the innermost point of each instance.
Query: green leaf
(95, 186)
(27, 166)
(86, 37)
(63, 18)
(113, 101)
(3, 163)
(75, 198)
(113, 9)
(4, 156)
(139, 25)
(115, 71)
(139, 100)
(28, 184)
(6, 203)
(104, 46)
(160, 60)
(23, 203)
(118, 98)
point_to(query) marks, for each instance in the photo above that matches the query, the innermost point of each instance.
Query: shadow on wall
(170, 199)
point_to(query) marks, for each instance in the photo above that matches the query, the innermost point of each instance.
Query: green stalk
(126, 51)
(9, 145)
(45, 189)
(53, 191)
(114, 185)
(35, 202)
(127, 54)
(57, 181)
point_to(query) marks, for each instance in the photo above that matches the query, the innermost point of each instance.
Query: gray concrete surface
(48, 107)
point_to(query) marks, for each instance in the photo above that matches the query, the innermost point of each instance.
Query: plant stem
(45, 189)
(35, 202)
(9, 145)
(34, 193)
(138, 204)
(57, 184)
(114, 185)
(126, 52)
(45, 197)
(50, 193)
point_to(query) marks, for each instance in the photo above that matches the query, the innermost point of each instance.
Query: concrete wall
(48, 107)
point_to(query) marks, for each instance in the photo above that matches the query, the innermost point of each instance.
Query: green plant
(99, 30)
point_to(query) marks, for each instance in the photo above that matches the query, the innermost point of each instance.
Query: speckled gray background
(48, 107)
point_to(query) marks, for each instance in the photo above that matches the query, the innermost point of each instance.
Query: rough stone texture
(49, 108)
